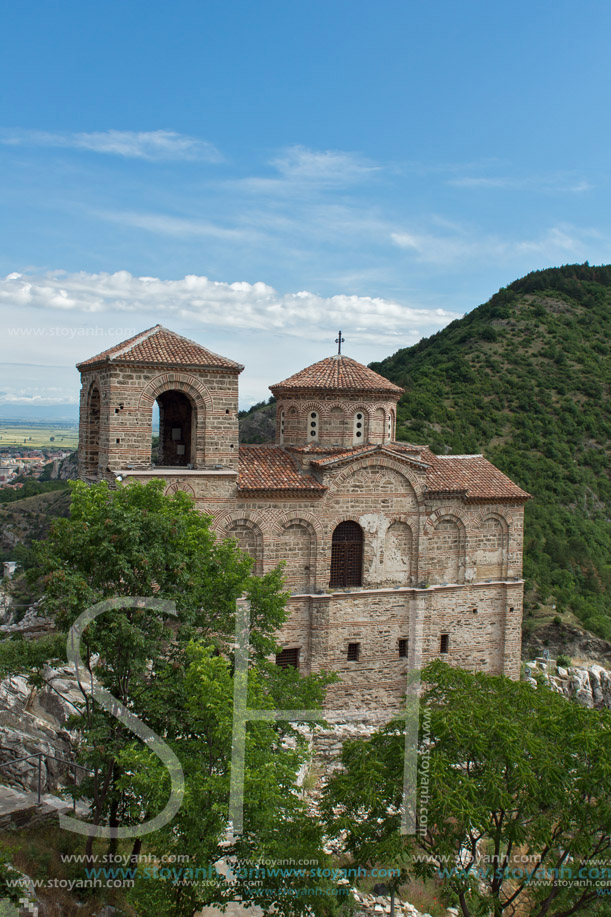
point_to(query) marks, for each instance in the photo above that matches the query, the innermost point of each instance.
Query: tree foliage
(177, 676)
(517, 815)
(525, 378)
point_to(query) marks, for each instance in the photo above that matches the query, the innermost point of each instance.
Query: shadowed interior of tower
(176, 429)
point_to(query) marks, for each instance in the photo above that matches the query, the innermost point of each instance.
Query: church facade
(393, 555)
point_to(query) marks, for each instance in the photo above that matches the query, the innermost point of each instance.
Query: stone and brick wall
(326, 420)
(440, 572)
(124, 426)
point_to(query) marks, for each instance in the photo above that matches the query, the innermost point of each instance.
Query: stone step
(20, 809)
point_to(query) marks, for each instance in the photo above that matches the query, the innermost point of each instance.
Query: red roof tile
(472, 476)
(272, 468)
(159, 345)
(336, 374)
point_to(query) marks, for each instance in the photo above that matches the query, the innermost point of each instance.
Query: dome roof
(337, 374)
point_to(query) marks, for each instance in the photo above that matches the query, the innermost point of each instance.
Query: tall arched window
(92, 444)
(313, 426)
(347, 555)
(359, 428)
(177, 423)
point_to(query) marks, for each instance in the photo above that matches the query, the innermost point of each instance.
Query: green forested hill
(525, 379)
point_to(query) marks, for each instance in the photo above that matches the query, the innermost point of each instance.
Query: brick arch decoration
(247, 520)
(366, 428)
(292, 518)
(192, 387)
(443, 512)
(504, 524)
(312, 525)
(404, 574)
(330, 405)
(317, 406)
(336, 422)
(89, 428)
(413, 523)
(256, 517)
(306, 409)
(380, 462)
(455, 515)
(175, 381)
(179, 485)
(485, 515)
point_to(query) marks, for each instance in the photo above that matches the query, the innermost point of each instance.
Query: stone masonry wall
(404, 594)
(336, 420)
(128, 394)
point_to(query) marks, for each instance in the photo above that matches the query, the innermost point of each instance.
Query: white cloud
(556, 244)
(151, 145)
(219, 305)
(552, 183)
(163, 224)
(22, 396)
(302, 170)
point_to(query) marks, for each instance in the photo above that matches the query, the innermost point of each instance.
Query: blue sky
(256, 175)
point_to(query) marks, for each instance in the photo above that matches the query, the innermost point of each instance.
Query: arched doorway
(347, 555)
(176, 429)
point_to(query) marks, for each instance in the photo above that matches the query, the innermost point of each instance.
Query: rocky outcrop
(559, 637)
(259, 426)
(34, 721)
(68, 468)
(367, 905)
(589, 684)
(32, 624)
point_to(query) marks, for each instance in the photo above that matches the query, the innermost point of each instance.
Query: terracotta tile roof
(473, 476)
(337, 374)
(159, 345)
(315, 449)
(411, 454)
(272, 468)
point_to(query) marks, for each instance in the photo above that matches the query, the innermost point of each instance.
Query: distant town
(27, 449)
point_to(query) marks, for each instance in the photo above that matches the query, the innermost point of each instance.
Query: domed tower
(335, 402)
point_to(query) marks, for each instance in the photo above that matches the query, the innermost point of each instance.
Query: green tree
(518, 815)
(136, 541)
(221, 867)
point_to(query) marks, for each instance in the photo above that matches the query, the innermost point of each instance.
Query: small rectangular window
(444, 643)
(288, 657)
(354, 651)
(403, 646)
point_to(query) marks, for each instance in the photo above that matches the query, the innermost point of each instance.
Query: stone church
(393, 555)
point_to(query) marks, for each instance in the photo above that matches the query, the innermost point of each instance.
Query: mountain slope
(525, 379)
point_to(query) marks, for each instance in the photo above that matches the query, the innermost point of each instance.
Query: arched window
(312, 426)
(92, 444)
(176, 428)
(359, 428)
(282, 421)
(347, 555)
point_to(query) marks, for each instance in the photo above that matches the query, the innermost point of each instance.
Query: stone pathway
(21, 809)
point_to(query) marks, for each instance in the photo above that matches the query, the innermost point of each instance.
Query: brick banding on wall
(441, 535)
